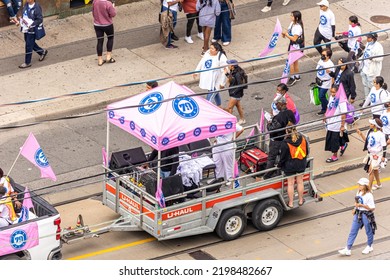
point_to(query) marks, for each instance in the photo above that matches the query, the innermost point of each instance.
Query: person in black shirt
(344, 75)
(169, 161)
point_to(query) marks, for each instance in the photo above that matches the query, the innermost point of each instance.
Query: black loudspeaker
(170, 186)
(127, 158)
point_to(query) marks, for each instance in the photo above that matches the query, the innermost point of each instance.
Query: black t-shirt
(279, 122)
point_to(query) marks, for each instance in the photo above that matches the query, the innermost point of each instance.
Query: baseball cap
(363, 182)
(323, 3)
(232, 62)
(372, 35)
(281, 99)
(374, 122)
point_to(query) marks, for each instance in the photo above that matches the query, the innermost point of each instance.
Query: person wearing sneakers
(336, 134)
(31, 17)
(208, 12)
(296, 36)
(235, 76)
(375, 144)
(363, 216)
(223, 25)
(323, 79)
(327, 26)
(189, 8)
(269, 4)
(13, 7)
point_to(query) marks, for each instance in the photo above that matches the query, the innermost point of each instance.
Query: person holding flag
(336, 135)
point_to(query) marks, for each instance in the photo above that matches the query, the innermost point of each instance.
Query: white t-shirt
(4, 211)
(226, 138)
(366, 199)
(211, 80)
(6, 185)
(174, 7)
(334, 123)
(366, 54)
(376, 142)
(295, 29)
(385, 118)
(323, 75)
(327, 19)
(376, 96)
(353, 43)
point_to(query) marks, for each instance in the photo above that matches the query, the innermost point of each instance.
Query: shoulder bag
(39, 32)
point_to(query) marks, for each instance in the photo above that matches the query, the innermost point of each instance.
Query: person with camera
(363, 215)
(235, 76)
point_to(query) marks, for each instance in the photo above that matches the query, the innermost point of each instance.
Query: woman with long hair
(208, 12)
(296, 35)
(376, 96)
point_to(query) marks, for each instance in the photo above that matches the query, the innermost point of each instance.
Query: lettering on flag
(292, 57)
(273, 41)
(339, 98)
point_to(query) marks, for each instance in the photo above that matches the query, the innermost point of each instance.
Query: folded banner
(19, 238)
(104, 155)
(159, 194)
(261, 121)
(340, 97)
(274, 39)
(33, 152)
(292, 57)
(27, 205)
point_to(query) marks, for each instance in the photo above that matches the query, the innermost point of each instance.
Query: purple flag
(338, 99)
(274, 39)
(236, 174)
(159, 194)
(27, 205)
(251, 133)
(104, 155)
(292, 57)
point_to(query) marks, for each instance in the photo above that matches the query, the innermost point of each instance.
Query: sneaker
(345, 252)
(356, 119)
(214, 40)
(200, 36)
(24, 65)
(376, 187)
(298, 79)
(343, 148)
(226, 43)
(242, 121)
(188, 39)
(367, 250)
(171, 46)
(361, 104)
(285, 3)
(291, 82)
(320, 113)
(174, 37)
(266, 9)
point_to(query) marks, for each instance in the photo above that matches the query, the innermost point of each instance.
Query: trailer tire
(267, 214)
(12, 257)
(231, 224)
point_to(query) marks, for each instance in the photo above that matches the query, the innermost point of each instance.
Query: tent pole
(108, 141)
(234, 157)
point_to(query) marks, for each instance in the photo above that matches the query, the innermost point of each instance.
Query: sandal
(303, 201)
(100, 64)
(288, 205)
(332, 159)
(111, 60)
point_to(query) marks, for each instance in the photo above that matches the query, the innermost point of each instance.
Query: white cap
(363, 182)
(323, 3)
(372, 121)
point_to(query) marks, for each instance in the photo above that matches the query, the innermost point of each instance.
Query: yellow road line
(112, 249)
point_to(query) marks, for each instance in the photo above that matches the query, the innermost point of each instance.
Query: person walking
(294, 150)
(352, 47)
(377, 95)
(269, 4)
(363, 216)
(31, 18)
(208, 12)
(223, 25)
(103, 12)
(375, 144)
(189, 8)
(235, 76)
(323, 79)
(336, 134)
(371, 66)
(327, 26)
(385, 118)
(214, 79)
(295, 34)
(344, 75)
(172, 6)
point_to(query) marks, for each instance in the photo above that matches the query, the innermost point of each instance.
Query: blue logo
(18, 239)
(373, 98)
(274, 40)
(24, 214)
(40, 158)
(148, 102)
(350, 33)
(208, 63)
(213, 128)
(132, 125)
(181, 136)
(143, 133)
(286, 69)
(372, 141)
(323, 20)
(229, 125)
(122, 120)
(385, 120)
(165, 141)
(185, 107)
(333, 104)
(359, 199)
(111, 114)
(197, 132)
(321, 71)
(153, 139)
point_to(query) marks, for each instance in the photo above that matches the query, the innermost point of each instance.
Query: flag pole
(12, 166)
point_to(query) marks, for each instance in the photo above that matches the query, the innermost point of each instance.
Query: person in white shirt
(363, 211)
(327, 26)
(336, 134)
(215, 79)
(371, 67)
(375, 144)
(385, 118)
(323, 76)
(375, 99)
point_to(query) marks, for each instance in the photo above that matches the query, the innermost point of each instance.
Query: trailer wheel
(267, 214)
(12, 257)
(231, 224)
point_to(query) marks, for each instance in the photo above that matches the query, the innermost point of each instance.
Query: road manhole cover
(380, 19)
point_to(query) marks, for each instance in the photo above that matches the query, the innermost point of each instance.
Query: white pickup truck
(37, 238)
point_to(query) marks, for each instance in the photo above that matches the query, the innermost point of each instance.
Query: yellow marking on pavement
(132, 244)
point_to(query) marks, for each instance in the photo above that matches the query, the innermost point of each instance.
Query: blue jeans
(13, 6)
(356, 224)
(223, 25)
(31, 46)
(217, 97)
(322, 96)
(174, 15)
